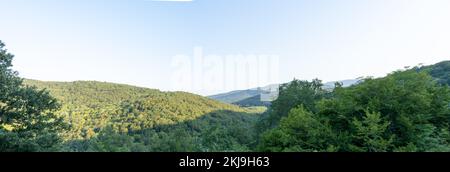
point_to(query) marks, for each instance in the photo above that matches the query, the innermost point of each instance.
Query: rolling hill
(110, 117)
(99, 112)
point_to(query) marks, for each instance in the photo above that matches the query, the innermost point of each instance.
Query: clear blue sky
(133, 41)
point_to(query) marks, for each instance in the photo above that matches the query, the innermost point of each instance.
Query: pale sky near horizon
(134, 41)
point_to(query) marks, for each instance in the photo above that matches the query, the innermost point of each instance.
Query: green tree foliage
(113, 117)
(298, 93)
(292, 95)
(405, 111)
(214, 132)
(27, 122)
(370, 133)
(301, 131)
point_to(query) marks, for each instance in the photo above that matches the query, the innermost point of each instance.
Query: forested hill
(405, 111)
(115, 117)
(439, 71)
(94, 94)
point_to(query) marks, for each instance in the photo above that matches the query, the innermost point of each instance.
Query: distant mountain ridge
(262, 96)
(240, 95)
(256, 96)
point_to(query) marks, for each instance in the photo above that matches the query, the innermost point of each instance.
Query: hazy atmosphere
(137, 42)
(240, 79)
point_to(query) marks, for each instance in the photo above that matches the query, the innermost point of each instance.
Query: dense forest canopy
(406, 111)
(115, 117)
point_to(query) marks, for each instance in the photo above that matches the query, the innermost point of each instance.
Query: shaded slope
(440, 71)
(89, 107)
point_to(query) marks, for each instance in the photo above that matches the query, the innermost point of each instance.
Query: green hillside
(440, 71)
(406, 111)
(136, 115)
